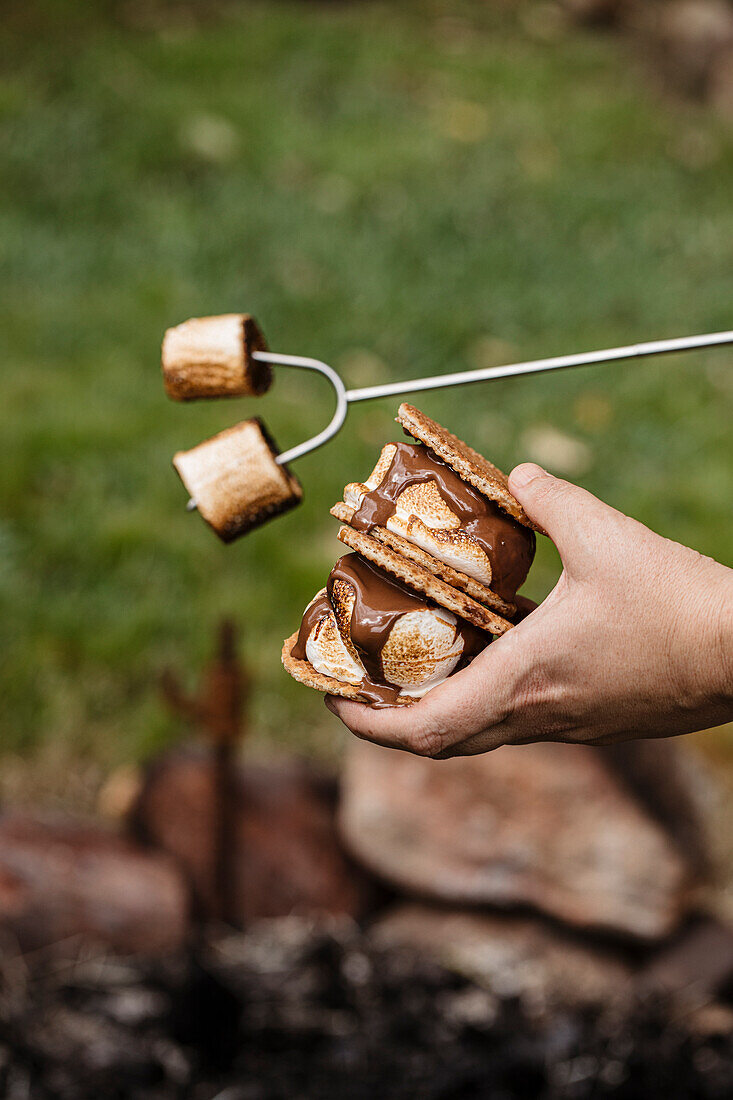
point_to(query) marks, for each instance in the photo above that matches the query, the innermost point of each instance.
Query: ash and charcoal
(298, 1010)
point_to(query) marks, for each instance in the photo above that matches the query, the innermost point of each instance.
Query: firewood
(61, 878)
(285, 855)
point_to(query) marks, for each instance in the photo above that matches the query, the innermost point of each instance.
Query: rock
(597, 12)
(721, 82)
(59, 878)
(548, 825)
(119, 792)
(689, 41)
(512, 956)
(693, 40)
(669, 779)
(285, 853)
(711, 1020)
(696, 964)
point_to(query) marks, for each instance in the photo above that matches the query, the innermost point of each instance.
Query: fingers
(393, 727)
(577, 522)
(473, 701)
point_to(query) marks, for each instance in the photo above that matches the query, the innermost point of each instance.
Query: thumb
(574, 519)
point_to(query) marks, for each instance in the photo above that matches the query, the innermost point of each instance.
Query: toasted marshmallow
(422, 650)
(424, 518)
(416, 647)
(356, 490)
(327, 651)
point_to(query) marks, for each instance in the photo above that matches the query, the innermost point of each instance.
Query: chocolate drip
(507, 544)
(379, 603)
(316, 611)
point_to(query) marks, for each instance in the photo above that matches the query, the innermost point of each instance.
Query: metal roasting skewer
(346, 397)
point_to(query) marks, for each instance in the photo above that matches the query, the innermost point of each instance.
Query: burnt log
(284, 852)
(60, 878)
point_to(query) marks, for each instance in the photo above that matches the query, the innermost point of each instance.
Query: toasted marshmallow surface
(422, 649)
(327, 652)
(423, 517)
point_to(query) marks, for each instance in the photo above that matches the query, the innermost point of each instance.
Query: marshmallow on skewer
(212, 357)
(234, 480)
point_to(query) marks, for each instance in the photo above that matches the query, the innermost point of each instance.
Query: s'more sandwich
(440, 549)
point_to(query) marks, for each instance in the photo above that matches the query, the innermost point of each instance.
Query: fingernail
(522, 475)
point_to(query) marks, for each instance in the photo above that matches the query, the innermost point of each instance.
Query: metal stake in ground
(218, 708)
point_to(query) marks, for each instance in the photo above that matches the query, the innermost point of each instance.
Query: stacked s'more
(439, 547)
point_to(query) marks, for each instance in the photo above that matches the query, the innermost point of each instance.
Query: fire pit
(456, 929)
(315, 1011)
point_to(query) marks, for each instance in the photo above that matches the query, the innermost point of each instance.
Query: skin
(634, 641)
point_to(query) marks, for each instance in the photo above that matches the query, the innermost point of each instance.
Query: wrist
(723, 685)
(714, 644)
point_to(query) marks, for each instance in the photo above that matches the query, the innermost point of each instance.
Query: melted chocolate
(507, 544)
(313, 614)
(379, 603)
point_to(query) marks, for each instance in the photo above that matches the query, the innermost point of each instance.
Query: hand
(635, 640)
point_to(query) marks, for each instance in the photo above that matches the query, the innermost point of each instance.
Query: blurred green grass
(398, 189)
